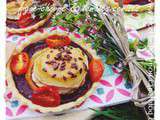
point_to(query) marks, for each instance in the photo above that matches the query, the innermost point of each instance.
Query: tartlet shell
(61, 108)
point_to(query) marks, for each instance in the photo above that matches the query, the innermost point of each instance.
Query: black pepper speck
(64, 78)
(80, 58)
(54, 75)
(80, 71)
(44, 70)
(48, 56)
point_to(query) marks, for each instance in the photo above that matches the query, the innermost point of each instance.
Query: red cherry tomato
(125, 1)
(58, 41)
(46, 96)
(19, 63)
(25, 19)
(47, 1)
(96, 69)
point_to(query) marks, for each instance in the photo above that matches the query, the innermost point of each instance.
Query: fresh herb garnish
(42, 12)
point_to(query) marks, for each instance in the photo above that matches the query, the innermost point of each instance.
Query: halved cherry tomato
(46, 96)
(25, 19)
(58, 41)
(19, 63)
(125, 1)
(96, 69)
(47, 1)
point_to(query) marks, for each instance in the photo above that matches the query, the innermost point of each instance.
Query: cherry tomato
(46, 96)
(96, 69)
(58, 41)
(19, 63)
(125, 1)
(47, 1)
(25, 19)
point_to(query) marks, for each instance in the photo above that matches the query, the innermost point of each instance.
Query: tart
(53, 72)
(134, 5)
(27, 15)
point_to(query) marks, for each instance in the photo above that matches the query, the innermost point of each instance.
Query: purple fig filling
(25, 90)
(140, 2)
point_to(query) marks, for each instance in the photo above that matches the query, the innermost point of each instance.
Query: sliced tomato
(47, 1)
(96, 69)
(46, 96)
(25, 19)
(58, 41)
(20, 63)
(125, 1)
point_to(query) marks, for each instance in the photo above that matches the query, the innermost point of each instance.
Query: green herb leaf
(111, 59)
(81, 2)
(100, 24)
(70, 17)
(133, 45)
(83, 28)
(143, 44)
(42, 12)
(79, 16)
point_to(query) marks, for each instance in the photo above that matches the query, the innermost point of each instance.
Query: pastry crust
(60, 108)
(132, 8)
